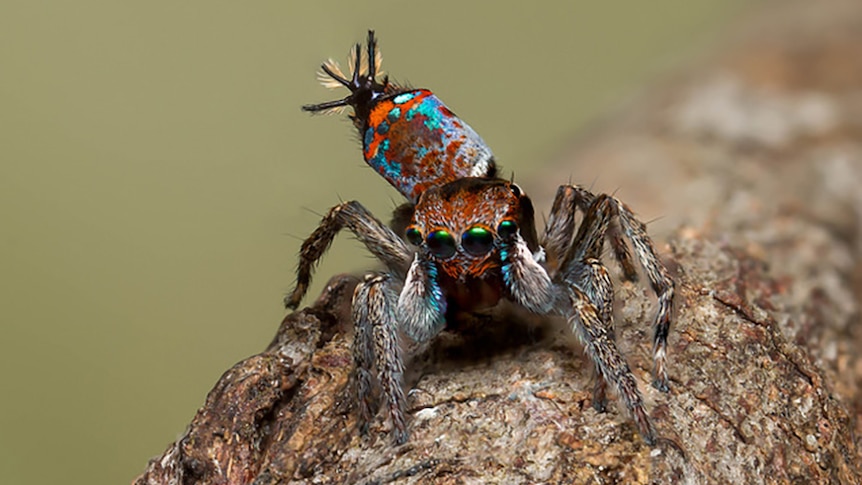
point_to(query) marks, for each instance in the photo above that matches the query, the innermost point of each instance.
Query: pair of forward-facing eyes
(478, 240)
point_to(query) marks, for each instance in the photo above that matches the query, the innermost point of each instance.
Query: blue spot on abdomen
(403, 97)
(394, 114)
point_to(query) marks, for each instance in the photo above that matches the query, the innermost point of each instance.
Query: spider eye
(413, 236)
(477, 241)
(441, 244)
(507, 229)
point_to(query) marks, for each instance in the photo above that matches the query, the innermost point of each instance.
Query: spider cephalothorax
(468, 235)
(462, 225)
(472, 241)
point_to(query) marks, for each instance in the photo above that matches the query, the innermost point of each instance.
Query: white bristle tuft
(338, 110)
(330, 83)
(325, 79)
(378, 61)
(363, 66)
(351, 62)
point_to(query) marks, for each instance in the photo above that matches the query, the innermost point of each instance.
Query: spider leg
(661, 283)
(422, 305)
(588, 244)
(583, 268)
(560, 227)
(557, 237)
(525, 279)
(384, 244)
(590, 239)
(376, 342)
(593, 279)
(363, 353)
(621, 252)
(586, 322)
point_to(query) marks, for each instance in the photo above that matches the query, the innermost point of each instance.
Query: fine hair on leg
(560, 228)
(605, 215)
(376, 343)
(585, 321)
(384, 244)
(595, 281)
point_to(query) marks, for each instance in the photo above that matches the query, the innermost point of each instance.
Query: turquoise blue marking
(390, 170)
(369, 136)
(507, 266)
(394, 114)
(403, 98)
(436, 293)
(430, 109)
(382, 128)
(420, 153)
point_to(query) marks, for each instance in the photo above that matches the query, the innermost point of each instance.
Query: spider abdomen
(407, 137)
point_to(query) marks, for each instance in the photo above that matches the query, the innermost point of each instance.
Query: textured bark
(754, 160)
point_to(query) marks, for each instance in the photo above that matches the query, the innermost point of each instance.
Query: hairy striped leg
(662, 284)
(560, 228)
(376, 345)
(583, 268)
(527, 282)
(591, 295)
(586, 322)
(374, 306)
(658, 276)
(595, 281)
(376, 236)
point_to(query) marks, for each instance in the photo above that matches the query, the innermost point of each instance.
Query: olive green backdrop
(156, 175)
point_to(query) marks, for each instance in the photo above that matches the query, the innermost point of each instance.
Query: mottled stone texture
(753, 161)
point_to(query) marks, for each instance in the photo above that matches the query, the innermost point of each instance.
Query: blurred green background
(156, 176)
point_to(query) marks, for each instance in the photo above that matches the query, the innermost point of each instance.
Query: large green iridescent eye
(441, 244)
(507, 229)
(477, 241)
(413, 236)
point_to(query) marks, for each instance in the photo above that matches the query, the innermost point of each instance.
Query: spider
(467, 240)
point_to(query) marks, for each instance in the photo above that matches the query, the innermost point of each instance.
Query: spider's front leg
(376, 236)
(376, 345)
(374, 305)
(380, 308)
(526, 281)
